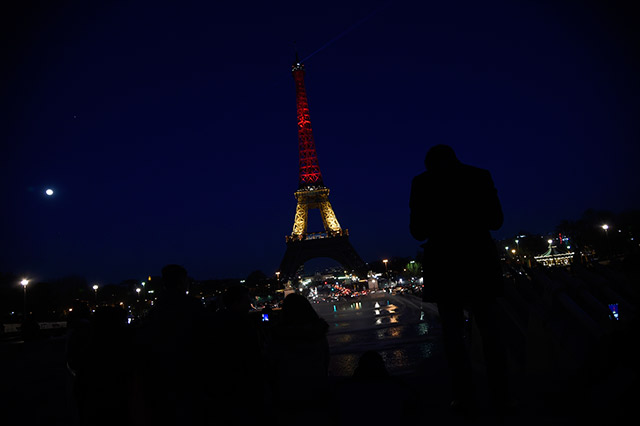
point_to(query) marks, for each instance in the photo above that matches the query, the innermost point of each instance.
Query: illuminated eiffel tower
(312, 194)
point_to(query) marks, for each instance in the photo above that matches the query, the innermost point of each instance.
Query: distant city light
(49, 192)
(605, 227)
(24, 282)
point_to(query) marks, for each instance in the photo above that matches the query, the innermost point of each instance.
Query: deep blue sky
(168, 129)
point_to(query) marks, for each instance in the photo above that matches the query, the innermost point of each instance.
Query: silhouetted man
(453, 207)
(240, 388)
(172, 348)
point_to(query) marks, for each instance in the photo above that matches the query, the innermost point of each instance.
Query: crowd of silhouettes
(190, 365)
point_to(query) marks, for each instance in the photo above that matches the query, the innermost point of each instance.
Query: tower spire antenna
(309, 175)
(295, 50)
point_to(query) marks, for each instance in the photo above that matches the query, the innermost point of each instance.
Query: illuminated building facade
(555, 257)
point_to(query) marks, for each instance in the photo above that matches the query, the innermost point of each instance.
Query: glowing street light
(606, 233)
(95, 290)
(24, 283)
(386, 261)
(138, 290)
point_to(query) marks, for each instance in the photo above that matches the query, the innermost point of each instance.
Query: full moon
(49, 192)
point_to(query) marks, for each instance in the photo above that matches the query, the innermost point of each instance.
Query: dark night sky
(168, 129)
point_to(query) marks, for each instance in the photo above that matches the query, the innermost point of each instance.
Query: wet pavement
(397, 327)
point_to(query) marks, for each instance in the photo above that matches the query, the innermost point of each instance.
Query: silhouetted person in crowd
(370, 378)
(370, 367)
(104, 370)
(453, 207)
(30, 328)
(172, 346)
(299, 354)
(239, 383)
(79, 329)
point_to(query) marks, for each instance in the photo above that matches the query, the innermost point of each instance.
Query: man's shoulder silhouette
(451, 197)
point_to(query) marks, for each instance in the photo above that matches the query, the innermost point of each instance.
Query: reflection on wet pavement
(395, 326)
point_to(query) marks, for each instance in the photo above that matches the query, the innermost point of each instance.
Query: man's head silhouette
(441, 158)
(174, 278)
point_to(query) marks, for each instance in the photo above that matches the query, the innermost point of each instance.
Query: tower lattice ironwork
(312, 194)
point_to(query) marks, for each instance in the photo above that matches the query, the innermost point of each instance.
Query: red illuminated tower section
(310, 175)
(312, 194)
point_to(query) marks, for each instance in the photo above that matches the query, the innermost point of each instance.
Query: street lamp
(24, 283)
(386, 268)
(138, 291)
(606, 233)
(95, 290)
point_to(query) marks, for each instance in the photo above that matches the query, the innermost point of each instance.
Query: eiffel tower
(312, 194)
